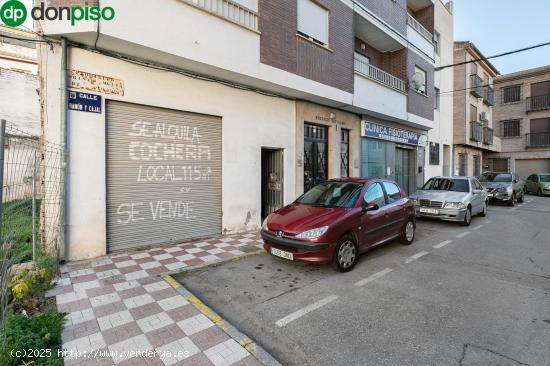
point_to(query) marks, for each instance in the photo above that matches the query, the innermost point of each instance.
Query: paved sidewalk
(120, 311)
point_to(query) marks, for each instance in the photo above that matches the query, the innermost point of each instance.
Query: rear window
(447, 184)
(332, 194)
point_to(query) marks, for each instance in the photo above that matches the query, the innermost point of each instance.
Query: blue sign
(84, 102)
(377, 131)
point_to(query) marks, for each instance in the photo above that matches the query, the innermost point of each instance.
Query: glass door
(402, 168)
(315, 155)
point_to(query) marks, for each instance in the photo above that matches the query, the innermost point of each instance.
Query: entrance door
(402, 168)
(272, 181)
(315, 155)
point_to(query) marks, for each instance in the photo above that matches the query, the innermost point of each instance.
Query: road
(457, 296)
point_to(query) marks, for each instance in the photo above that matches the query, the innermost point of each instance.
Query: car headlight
(458, 205)
(503, 190)
(264, 224)
(313, 233)
(414, 201)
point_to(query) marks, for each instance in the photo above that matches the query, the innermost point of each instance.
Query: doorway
(403, 168)
(272, 180)
(315, 155)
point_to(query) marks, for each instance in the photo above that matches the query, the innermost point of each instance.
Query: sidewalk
(120, 311)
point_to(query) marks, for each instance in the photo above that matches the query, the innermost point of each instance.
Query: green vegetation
(39, 332)
(17, 228)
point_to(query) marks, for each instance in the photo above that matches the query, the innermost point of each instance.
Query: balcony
(489, 96)
(419, 36)
(538, 103)
(488, 135)
(476, 86)
(476, 131)
(229, 10)
(539, 139)
(380, 76)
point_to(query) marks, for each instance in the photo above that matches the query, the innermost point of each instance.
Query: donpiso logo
(14, 13)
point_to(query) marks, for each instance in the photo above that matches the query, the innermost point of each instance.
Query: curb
(255, 349)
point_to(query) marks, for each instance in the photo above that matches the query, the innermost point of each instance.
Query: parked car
(538, 183)
(336, 221)
(451, 199)
(503, 187)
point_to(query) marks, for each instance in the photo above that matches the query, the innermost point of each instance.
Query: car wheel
(485, 209)
(512, 201)
(468, 217)
(407, 236)
(345, 254)
(520, 198)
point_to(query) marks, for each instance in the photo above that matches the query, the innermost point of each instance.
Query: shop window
(373, 158)
(434, 153)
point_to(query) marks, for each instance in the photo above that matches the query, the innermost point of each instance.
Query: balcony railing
(476, 86)
(476, 131)
(489, 96)
(415, 24)
(488, 135)
(228, 10)
(374, 73)
(538, 103)
(539, 139)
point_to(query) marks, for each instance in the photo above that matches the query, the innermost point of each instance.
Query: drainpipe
(65, 153)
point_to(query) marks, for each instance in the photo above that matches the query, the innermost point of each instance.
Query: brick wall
(393, 62)
(392, 12)
(281, 47)
(418, 104)
(425, 17)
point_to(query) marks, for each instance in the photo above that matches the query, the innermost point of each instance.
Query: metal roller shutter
(526, 167)
(164, 176)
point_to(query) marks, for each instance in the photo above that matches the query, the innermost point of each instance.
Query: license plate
(429, 211)
(282, 254)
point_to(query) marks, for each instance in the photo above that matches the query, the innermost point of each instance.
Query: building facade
(235, 114)
(439, 149)
(522, 121)
(473, 110)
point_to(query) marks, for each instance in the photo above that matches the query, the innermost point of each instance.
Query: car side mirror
(516, 180)
(369, 206)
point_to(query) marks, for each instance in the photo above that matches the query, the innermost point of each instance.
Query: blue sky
(496, 26)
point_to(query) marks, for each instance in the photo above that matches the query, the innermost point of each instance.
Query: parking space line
(441, 245)
(415, 257)
(373, 277)
(303, 311)
(478, 227)
(463, 234)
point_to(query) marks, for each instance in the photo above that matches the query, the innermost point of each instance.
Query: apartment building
(228, 110)
(440, 139)
(473, 110)
(522, 121)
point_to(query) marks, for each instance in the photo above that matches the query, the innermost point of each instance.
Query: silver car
(503, 187)
(451, 199)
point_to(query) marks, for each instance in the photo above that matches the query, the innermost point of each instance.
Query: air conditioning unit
(483, 117)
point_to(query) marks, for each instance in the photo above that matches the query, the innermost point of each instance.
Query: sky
(497, 26)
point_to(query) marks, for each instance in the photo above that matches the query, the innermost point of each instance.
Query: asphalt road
(457, 296)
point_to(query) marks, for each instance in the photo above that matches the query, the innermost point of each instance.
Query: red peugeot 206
(336, 221)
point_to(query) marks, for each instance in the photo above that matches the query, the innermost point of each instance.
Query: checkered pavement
(120, 312)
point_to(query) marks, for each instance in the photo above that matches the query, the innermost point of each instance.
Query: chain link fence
(32, 197)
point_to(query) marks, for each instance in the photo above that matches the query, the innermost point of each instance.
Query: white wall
(249, 121)
(378, 98)
(442, 132)
(419, 41)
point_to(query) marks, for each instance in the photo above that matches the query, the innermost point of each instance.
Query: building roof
(523, 74)
(472, 48)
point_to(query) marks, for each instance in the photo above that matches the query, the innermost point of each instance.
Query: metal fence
(31, 196)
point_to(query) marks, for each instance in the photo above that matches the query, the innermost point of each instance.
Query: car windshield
(496, 177)
(332, 194)
(446, 184)
(545, 178)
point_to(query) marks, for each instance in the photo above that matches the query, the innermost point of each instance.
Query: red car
(336, 221)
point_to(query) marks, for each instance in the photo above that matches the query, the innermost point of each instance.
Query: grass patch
(17, 228)
(39, 332)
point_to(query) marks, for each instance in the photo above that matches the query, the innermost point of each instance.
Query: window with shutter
(313, 21)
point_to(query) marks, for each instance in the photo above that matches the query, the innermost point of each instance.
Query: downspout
(64, 163)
